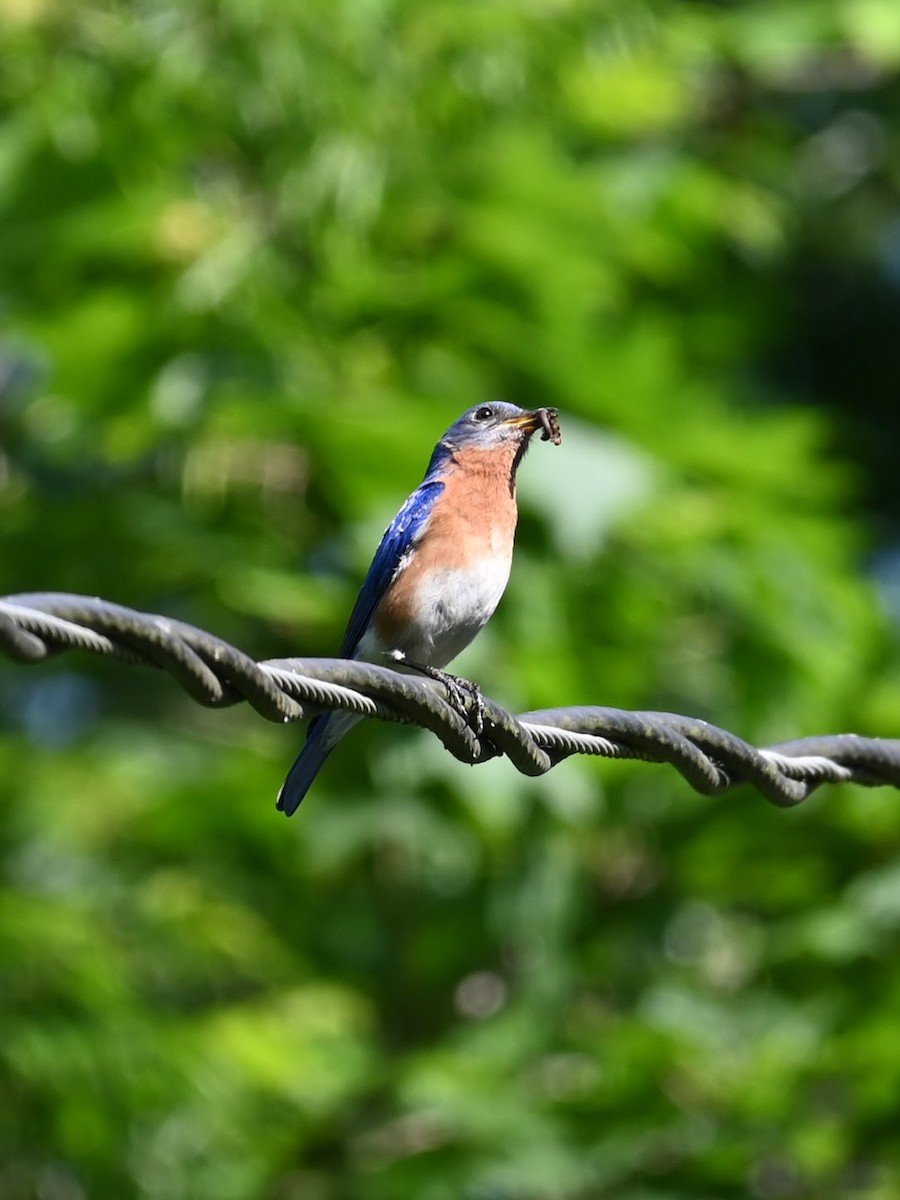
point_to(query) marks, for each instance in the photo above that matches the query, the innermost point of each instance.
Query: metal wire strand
(35, 626)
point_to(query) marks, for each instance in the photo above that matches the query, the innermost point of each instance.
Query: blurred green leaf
(254, 258)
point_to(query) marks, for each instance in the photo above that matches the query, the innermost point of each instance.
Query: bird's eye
(484, 413)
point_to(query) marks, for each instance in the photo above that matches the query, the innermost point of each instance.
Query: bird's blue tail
(324, 734)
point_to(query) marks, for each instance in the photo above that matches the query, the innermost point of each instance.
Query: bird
(441, 568)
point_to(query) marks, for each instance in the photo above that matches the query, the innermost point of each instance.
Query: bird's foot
(462, 694)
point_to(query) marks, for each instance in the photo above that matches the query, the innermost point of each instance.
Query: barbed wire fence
(35, 627)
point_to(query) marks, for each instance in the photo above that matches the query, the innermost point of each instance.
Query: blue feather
(306, 766)
(399, 537)
(326, 731)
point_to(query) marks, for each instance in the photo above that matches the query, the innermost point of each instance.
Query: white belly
(453, 606)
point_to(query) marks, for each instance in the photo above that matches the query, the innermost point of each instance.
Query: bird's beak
(545, 419)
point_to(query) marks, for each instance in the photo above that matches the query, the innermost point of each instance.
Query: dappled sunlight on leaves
(254, 259)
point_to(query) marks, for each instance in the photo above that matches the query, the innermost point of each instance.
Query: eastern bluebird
(442, 565)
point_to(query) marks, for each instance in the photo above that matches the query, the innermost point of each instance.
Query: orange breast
(473, 519)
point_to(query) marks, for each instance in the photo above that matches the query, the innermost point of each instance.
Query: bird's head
(489, 426)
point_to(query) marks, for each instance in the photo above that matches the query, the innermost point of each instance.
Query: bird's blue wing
(397, 541)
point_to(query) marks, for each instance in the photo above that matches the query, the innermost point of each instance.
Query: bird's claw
(464, 696)
(468, 700)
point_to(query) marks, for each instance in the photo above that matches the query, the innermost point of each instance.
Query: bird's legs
(462, 694)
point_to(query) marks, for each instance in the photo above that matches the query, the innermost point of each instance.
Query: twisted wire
(35, 626)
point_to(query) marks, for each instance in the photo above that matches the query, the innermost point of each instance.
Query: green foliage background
(254, 257)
